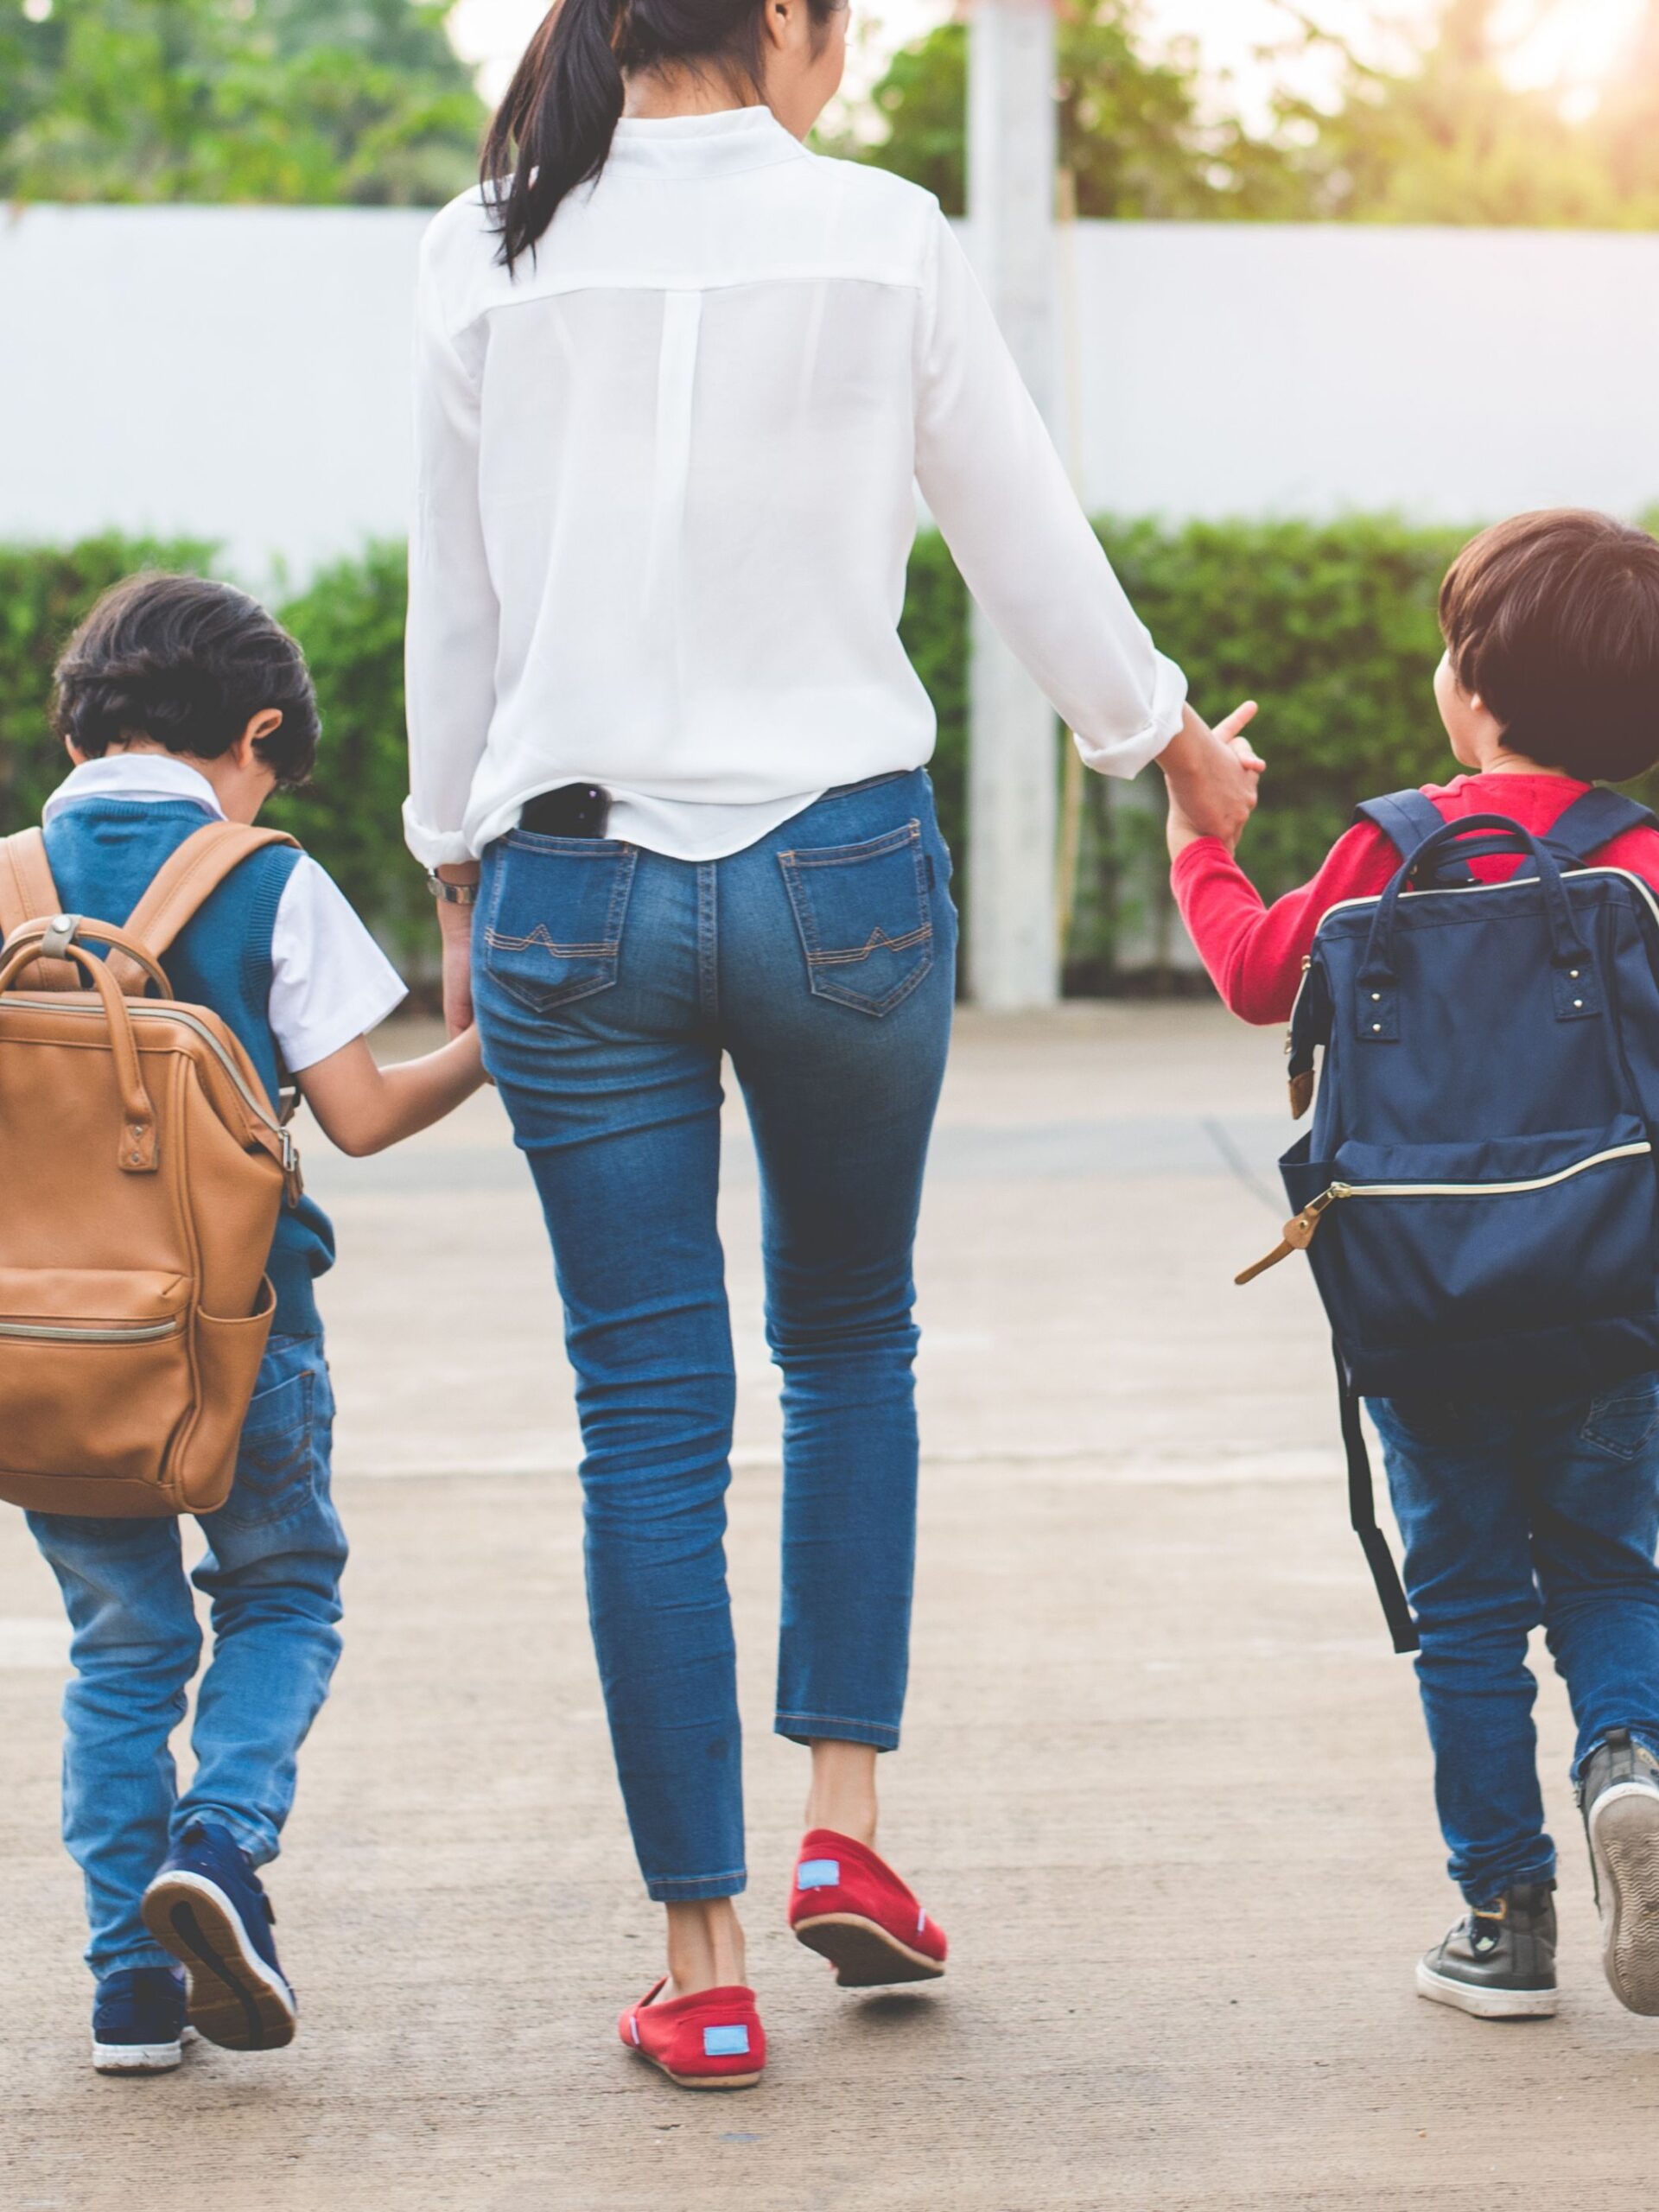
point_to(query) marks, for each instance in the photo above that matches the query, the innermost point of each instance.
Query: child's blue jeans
(271, 1575)
(1515, 1516)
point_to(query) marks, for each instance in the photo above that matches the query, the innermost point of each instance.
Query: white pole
(1012, 157)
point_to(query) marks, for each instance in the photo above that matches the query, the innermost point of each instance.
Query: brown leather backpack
(143, 1168)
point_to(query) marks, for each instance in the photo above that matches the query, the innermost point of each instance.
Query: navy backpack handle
(1575, 996)
(1408, 818)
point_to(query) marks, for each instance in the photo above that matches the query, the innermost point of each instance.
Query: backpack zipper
(1505, 883)
(122, 1332)
(1300, 1232)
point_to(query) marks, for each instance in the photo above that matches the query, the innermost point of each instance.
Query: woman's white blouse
(666, 500)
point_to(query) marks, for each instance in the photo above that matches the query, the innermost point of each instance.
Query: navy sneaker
(138, 2021)
(208, 1908)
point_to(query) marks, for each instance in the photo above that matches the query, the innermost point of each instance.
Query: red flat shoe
(712, 2040)
(852, 1909)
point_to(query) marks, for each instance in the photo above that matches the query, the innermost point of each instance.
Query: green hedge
(1330, 624)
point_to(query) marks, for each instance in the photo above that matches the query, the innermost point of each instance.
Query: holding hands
(1213, 776)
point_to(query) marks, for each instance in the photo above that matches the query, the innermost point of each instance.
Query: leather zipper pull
(1299, 1235)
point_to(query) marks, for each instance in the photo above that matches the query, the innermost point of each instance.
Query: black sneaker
(1618, 1796)
(1500, 1962)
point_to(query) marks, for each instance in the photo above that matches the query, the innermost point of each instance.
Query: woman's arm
(989, 470)
(453, 615)
(363, 1107)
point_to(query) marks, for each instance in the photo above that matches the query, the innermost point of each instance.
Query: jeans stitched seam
(871, 848)
(840, 1720)
(708, 949)
(727, 1874)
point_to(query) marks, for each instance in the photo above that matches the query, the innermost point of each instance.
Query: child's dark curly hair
(1553, 617)
(187, 663)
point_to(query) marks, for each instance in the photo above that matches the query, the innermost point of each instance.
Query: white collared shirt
(666, 500)
(330, 981)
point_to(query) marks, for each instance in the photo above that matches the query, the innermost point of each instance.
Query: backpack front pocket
(1423, 1245)
(865, 919)
(92, 1354)
(553, 922)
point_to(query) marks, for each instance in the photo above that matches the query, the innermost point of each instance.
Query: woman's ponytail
(553, 129)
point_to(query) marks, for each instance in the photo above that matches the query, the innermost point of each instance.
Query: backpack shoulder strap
(1362, 1513)
(1405, 819)
(1594, 821)
(28, 894)
(180, 888)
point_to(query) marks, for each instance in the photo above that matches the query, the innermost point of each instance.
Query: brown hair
(1553, 619)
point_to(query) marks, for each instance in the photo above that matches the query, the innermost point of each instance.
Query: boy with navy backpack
(1477, 968)
(182, 703)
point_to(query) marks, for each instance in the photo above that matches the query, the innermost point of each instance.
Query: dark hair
(1553, 619)
(553, 129)
(187, 663)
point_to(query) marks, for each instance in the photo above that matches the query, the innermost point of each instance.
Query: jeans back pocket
(554, 916)
(865, 918)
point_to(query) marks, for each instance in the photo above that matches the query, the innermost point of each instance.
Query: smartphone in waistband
(572, 810)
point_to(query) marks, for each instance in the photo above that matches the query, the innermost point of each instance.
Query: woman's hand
(1212, 777)
(456, 925)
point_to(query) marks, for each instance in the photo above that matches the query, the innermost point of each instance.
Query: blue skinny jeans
(609, 984)
(271, 1576)
(1515, 1517)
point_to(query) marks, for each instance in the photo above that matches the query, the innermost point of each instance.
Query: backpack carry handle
(51, 941)
(138, 1151)
(1576, 997)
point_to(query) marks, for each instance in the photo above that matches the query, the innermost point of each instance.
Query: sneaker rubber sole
(236, 2000)
(1485, 2004)
(137, 2058)
(1624, 1845)
(863, 1953)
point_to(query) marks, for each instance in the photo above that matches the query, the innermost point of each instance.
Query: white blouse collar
(719, 144)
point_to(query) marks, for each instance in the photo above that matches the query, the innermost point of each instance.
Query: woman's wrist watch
(452, 894)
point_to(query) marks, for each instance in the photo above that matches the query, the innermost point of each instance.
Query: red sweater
(1255, 952)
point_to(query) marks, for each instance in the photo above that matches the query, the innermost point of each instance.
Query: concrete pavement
(1163, 1780)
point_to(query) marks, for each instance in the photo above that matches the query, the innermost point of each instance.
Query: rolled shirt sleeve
(453, 615)
(1000, 493)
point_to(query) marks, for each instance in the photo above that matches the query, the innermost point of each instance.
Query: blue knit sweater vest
(104, 853)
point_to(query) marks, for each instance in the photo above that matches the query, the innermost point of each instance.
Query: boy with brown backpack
(160, 1350)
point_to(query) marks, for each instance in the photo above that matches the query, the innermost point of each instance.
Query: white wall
(241, 373)
(237, 373)
(1457, 375)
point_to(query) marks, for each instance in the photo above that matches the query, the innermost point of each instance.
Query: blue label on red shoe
(818, 1874)
(725, 2043)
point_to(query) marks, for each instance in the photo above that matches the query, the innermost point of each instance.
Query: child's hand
(1182, 830)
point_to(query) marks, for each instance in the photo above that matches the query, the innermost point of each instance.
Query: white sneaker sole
(1624, 1845)
(137, 2057)
(1485, 2004)
(236, 2000)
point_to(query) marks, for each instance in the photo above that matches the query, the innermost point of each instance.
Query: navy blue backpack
(1476, 1193)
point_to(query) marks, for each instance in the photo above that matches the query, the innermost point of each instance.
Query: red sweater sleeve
(1254, 952)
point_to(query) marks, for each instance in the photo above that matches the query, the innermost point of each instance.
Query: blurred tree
(1446, 137)
(286, 100)
(1132, 130)
(1628, 123)
(1451, 139)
